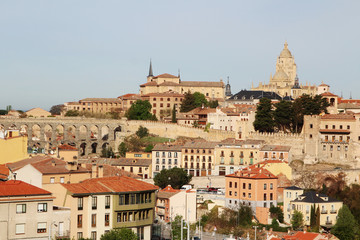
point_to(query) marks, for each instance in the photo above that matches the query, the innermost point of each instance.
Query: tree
(176, 177)
(107, 152)
(312, 217)
(245, 215)
(149, 148)
(277, 213)
(173, 115)
(176, 228)
(142, 132)
(8, 108)
(133, 143)
(297, 220)
(188, 103)
(200, 99)
(122, 149)
(140, 110)
(57, 109)
(119, 234)
(264, 121)
(3, 112)
(346, 227)
(283, 115)
(213, 103)
(72, 113)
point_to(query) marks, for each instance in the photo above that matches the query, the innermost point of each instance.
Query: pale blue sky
(52, 52)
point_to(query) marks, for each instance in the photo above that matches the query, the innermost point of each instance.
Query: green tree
(173, 115)
(122, 149)
(133, 143)
(119, 234)
(277, 213)
(213, 103)
(57, 109)
(142, 132)
(200, 99)
(3, 112)
(264, 121)
(176, 229)
(107, 152)
(149, 148)
(140, 110)
(188, 102)
(176, 177)
(245, 215)
(72, 113)
(312, 217)
(8, 108)
(346, 227)
(297, 220)
(283, 114)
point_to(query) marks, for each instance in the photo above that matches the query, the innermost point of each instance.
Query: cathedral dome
(280, 76)
(285, 53)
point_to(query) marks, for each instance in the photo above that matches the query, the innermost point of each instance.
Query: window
(132, 199)
(235, 184)
(79, 235)
(249, 195)
(94, 202)
(338, 148)
(230, 184)
(163, 161)
(175, 154)
(244, 195)
(107, 201)
(230, 193)
(175, 161)
(244, 185)
(80, 203)
(93, 235)
(169, 161)
(41, 227)
(311, 126)
(271, 186)
(169, 154)
(62, 179)
(324, 147)
(333, 126)
(310, 135)
(326, 126)
(271, 196)
(157, 168)
(79, 221)
(331, 147)
(118, 217)
(265, 186)
(157, 161)
(249, 186)
(52, 180)
(20, 208)
(20, 228)
(42, 207)
(93, 220)
(264, 196)
(348, 127)
(157, 154)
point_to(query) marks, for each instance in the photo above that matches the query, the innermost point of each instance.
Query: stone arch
(94, 132)
(94, 147)
(117, 129)
(83, 132)
(104, 133)
(59, 132)
(23, 129)
(36, 132)
(82, 149)
(71, 132)
(48, 132)
(105, 145)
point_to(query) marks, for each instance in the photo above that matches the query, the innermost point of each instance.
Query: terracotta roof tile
(67, 147)
(20, 188)
(253, 173)
(165, 75)
(109, 184)
(338, 116)
(4, 172)
(167, 147)
(19, 164)
(149, 84)
(328, 94)
(276, 148)
(100, 100)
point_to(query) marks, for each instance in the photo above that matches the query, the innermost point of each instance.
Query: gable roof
(109, 185)
(253, 172)
(314, 197)
(165, 75)
(19, 188)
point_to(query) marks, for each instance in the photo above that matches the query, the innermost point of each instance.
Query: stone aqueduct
(87, 134)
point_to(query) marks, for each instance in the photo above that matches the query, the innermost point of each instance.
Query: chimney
(93, 171)
(101, 171)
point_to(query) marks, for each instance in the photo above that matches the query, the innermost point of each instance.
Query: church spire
(150, 70)
(285, 45)
(228, 88)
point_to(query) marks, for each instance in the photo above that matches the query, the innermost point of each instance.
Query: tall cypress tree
(264, 121)
(312, 217)
(173, 115)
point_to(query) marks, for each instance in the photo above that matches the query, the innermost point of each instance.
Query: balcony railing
(333, 211)
(328, 222)
(324, 211)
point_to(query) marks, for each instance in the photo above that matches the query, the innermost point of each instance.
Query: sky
(53, 52)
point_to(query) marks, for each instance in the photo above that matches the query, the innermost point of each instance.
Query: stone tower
(228, 89)
(286, 64)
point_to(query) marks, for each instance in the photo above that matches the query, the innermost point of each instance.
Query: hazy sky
(52, 52)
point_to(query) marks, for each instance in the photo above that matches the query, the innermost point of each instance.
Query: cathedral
(285, 81)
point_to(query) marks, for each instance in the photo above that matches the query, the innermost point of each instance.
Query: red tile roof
(165, 75)
(253, 172)
(338, 116)
(149, 84)
(20, 188)
(334, 131)
(4, 172)
(109, 184)
(67, 147)
(328, 94)
(302, 236)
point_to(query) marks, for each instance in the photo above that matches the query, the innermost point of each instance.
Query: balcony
(333, 211)
(324, 211)
(328, 222)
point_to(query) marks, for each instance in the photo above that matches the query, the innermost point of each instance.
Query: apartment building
(172, 202)
(296, 199)
(198, 157)
(13, 146)
(163, 103)
(95, 105)
(165, 156)
(275, 152)
(138, 155)
(98, 205)
(27, 212)
(255, 187)
(232, 155)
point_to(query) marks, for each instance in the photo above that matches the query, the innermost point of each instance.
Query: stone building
(333, 138)
(95, 105)
(170, 83)
(285, 81)
(165, 156)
